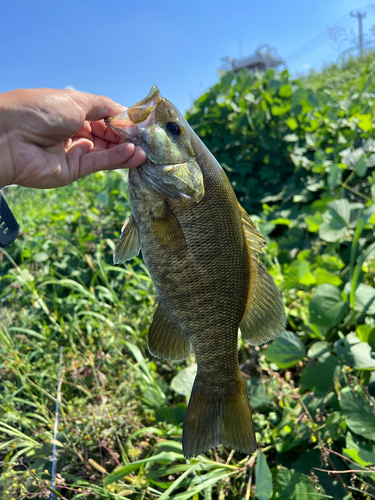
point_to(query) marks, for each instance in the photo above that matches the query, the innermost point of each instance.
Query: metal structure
(265, 57)
(355, 52)
(362, 47)
(360, 17)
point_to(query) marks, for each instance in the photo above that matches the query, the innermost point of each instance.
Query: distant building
(264, 58)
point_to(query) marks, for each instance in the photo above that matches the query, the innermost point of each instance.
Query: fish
(202, 251)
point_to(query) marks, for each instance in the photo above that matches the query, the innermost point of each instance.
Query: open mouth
(139, 116)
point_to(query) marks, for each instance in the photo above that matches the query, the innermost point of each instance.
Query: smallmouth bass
(201, 250)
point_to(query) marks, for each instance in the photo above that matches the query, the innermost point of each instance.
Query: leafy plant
(300, 155)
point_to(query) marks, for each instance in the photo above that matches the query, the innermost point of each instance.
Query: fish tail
(214, 419)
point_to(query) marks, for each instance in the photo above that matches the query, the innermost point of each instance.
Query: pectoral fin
(165, 338)
(167, 229)
(129, 243)
(264, 317)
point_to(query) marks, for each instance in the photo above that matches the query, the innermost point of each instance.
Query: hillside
(300, 156)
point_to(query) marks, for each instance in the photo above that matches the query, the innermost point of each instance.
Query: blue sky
(121, 48)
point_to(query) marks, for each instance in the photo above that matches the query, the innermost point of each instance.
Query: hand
(50, 138)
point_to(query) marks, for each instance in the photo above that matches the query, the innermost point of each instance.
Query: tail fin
(212, 420)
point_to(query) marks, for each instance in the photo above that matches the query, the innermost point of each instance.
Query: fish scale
(201, 250)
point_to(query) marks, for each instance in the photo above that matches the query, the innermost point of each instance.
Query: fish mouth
(129, 123)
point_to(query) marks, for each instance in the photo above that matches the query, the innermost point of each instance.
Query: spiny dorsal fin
(165, 338)
(264, 317)
(254, 238)
(129, 243)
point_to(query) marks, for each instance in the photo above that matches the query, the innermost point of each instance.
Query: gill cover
(155, 124)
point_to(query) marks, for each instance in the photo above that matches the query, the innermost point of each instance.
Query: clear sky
(120, 48)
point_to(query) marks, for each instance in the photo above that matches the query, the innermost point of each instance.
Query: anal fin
(165, 338)
(129, 243)
(264, 317)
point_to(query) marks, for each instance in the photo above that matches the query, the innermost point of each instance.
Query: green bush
(300, 157)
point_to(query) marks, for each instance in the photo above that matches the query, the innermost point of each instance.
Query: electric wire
(318, 40)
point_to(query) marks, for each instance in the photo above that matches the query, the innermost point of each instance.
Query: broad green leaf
(306, 462)
(352, 158)
(362, 457)
(311, 139)
(324, 276)
(263, 477)
(366, 334)
(369, 252)
(280, 109)
(291, 485)
(291, 275)
(281, 221)
(318, 376)
(364, 122)
(364, 299)
(334, 175)
(354, 442)
(290, 138)
(359, 415)
(171, 414)
(291, 437)
(313, 222)
(183, 382)
(327, 307)
(362, 222)
(292, 123)
(356, 354)
(318, 349)
(40, 257)
(305, 277)
(258, 394)
(336, 221)
(286, 350)
(285, 91)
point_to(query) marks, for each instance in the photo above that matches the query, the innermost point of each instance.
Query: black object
(9, 228)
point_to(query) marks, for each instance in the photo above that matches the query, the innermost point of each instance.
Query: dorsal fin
(264, 317)
(254, 238)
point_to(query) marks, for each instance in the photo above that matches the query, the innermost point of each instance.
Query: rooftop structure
(265, 57)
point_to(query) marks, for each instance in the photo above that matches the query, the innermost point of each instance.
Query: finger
(90, 130)
(101, 143)
(100, 129)
(85, 160)
(97, 142)
(96, 107)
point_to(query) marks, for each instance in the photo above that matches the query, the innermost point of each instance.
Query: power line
(318, 40)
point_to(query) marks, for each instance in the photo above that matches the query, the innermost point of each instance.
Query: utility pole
(360, 16)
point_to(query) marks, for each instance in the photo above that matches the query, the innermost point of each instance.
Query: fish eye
(174, 128)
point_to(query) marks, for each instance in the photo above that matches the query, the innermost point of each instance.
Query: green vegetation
(302, 159)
